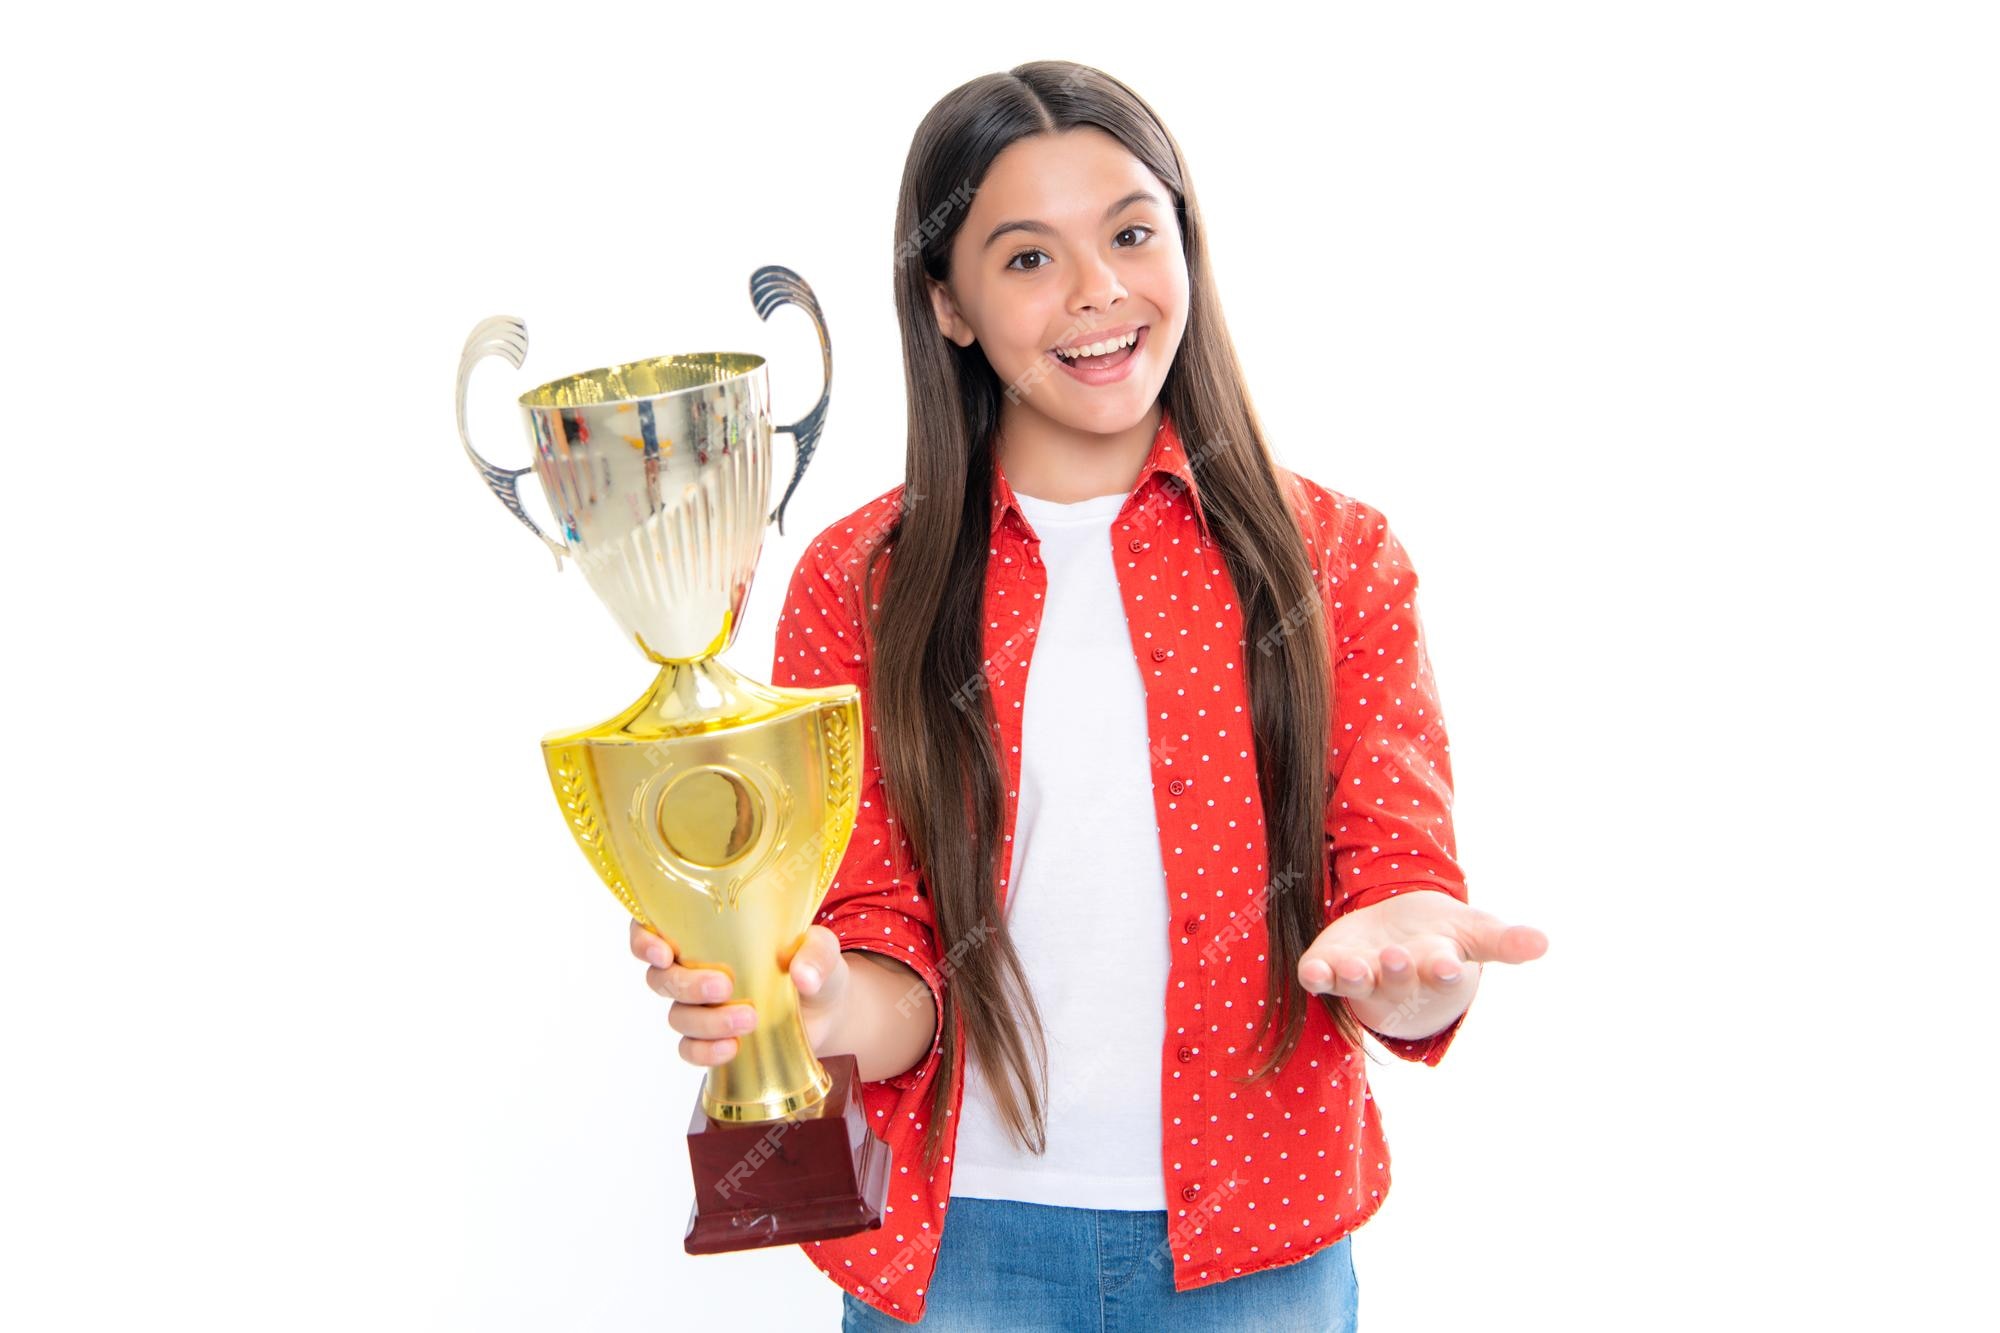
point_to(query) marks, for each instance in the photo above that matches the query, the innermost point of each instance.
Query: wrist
(886, 1018)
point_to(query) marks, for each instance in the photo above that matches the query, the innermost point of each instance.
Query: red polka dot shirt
(1258, 1175)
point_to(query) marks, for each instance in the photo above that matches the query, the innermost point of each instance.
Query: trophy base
(814, 1176)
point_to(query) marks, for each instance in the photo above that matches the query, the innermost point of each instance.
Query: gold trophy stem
(735, 1093)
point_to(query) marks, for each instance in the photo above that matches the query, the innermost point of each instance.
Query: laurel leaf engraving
(573, 791)
(837, 734)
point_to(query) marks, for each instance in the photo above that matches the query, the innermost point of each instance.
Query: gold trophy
(716, 807)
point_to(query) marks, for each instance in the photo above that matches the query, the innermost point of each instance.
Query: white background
(1665, 335)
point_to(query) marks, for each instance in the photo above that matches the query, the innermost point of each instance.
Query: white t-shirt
(1087, 896)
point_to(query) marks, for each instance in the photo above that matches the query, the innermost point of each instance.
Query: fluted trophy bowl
(656, 472)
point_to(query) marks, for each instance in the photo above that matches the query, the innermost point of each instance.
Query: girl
(1190, 855)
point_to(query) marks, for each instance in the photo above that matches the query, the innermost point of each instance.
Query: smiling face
(1070, 241)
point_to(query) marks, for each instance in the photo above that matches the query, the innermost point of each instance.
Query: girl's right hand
(709, 1025)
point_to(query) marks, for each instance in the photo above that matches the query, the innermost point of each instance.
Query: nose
(1097, 286)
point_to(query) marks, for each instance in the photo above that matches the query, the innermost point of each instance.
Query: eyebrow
(1044, 229)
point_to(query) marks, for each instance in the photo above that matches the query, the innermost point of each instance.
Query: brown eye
(1023, 255)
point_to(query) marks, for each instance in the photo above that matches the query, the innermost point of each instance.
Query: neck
(697, 696)
(1058, 462)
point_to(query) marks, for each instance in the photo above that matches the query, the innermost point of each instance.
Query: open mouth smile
(1109, 365)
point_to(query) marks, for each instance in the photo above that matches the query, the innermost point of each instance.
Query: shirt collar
(1168, 457)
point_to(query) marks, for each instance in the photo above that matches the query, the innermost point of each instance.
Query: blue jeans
(1037, 1268)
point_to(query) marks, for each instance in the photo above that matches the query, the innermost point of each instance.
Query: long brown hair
(941, 771)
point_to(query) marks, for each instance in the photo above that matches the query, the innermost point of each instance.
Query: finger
(1336, 974)
(690, 985)
(712, 1022)
(697, 1052)
(1397, 973)
(650, 948)
(1445, 968)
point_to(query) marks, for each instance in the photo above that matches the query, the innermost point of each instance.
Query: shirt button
(1177, 786)
(1189, 1191)
(1136, 544)
(1192, 927)
(1186, 1053)
(1159, 654)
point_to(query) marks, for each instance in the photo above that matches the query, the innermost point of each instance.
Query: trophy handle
(502, 335)
(770, 287)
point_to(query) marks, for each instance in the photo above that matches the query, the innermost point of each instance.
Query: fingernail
(806, 975)
(743, 1020)
(1395, 967)
(1447, 976)
(656, 956)
(715, 988)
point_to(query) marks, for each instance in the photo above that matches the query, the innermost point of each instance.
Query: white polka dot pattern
(1259, 1175)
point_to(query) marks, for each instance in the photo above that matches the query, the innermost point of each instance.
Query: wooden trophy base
(778, 1182)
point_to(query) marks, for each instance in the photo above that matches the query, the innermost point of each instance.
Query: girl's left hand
(1401, 959)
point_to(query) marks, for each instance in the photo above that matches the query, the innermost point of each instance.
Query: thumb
(819, 969)
(1494, 941)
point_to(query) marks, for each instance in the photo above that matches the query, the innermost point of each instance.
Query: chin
(1105, 418)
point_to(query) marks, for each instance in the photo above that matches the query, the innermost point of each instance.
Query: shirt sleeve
(1389, 799)
(878, 901)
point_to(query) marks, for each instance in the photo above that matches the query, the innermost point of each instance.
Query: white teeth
(1098, 349)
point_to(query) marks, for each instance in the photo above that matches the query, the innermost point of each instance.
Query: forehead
(1065, 179)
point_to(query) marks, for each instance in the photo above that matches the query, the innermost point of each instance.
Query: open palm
(1407, 955)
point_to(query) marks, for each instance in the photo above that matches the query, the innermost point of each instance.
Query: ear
(950, 323)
